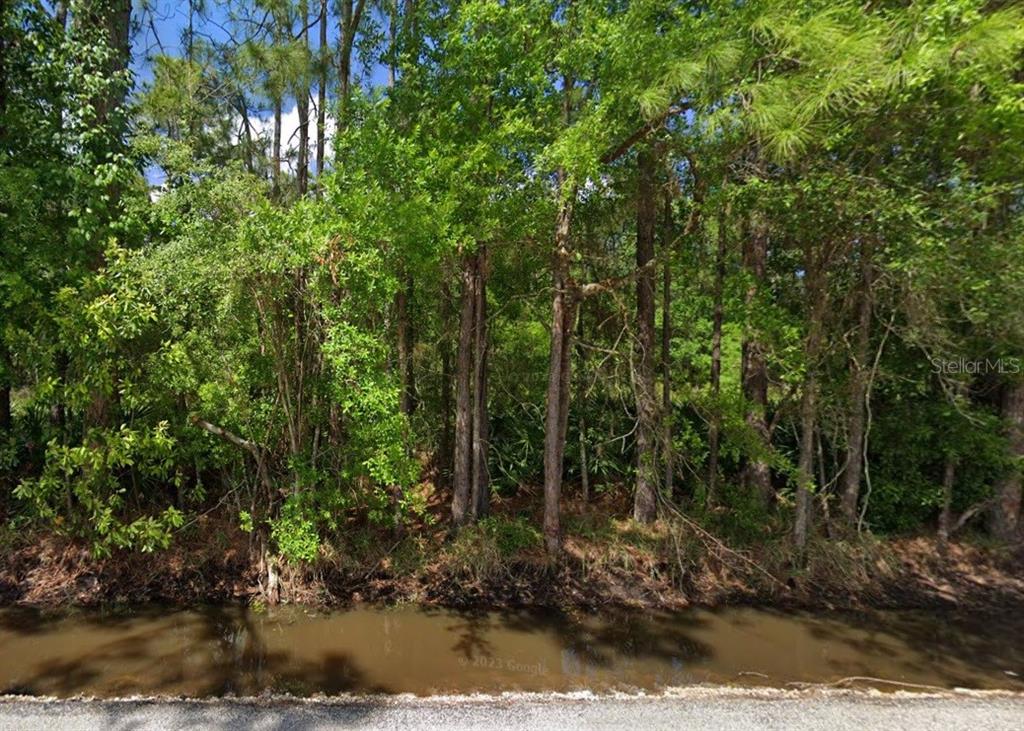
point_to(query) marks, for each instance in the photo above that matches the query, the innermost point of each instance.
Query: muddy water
(231, 650)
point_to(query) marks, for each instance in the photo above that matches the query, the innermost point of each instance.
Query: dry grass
(606, 561)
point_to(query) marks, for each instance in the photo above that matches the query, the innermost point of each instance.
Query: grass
(487, 549)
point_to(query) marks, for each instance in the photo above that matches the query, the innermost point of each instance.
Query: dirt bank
(617, 566)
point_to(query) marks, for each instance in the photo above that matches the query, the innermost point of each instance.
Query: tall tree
(859, 372)
(471, 482)
(351, 17)
(645, 502)
(1005, 514)
(715, 426)
(754, 368)
(302, 101)
(321, 91)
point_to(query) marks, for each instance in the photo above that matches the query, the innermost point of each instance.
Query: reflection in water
(232, 650)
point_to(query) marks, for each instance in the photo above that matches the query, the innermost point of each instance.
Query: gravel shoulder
(695, 708)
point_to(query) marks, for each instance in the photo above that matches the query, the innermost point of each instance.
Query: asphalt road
(693, 709)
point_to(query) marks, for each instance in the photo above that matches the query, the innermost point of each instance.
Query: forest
(479, 290)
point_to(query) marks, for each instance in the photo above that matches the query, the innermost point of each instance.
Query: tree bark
(645, 500)
(5, 407)
(471, 482)
(859, 371)
(446, 438)
(715, 425)
(481, 492)
(563, 303)
(562, 306)
(302, 99)
(392, 41)
(321, 96)
(462, 479)
(6, 380)
(248, 147)
(351, 14)
(666, 352)
(815, 293)
(946, 513)
(805, 465)
(1004, 516)
(58, 410)
(276, 149)
(581, 424)
(754, 376)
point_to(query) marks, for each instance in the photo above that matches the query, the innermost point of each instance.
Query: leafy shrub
(510, 535)
(482, 550)
(82, 489)
(295, 533)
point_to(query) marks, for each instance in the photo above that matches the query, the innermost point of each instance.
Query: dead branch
(227, 436)
(251, 447)
(710, 537)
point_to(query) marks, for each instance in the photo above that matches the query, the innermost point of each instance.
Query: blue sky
(159, 27)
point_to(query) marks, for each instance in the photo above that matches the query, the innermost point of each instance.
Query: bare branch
(627, 144)
(227, 436)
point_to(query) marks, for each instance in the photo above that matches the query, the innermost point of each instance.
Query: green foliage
(82, 489)
(485, 549)
(294, 533)
(229, 341)
(510, 535)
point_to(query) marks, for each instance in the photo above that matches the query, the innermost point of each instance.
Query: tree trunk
(754, 376)
(351, 14)
(815, 294)
(321, 96)
(715, 425)
(302, 174)
(58, 410)
(447, 438)
(1004, 517)
(645, 501)
(805, 477)
(406, 341)
(946, 513)
(392, 39)
(115, 18)
(302, 99)
(276, 150)
(666, 352)
(481, 491)
(581, 425)
(60, 14)
(5, 407)
(346, 37)
(858, 389)
(555, 416)
(462, 480)
(471, 483)
(6, 380)
(248, 146)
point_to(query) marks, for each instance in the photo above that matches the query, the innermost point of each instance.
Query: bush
(482, 550)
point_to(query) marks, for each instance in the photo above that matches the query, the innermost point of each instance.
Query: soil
(214, 564)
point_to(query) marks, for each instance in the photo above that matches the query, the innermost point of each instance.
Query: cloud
(263, 128)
